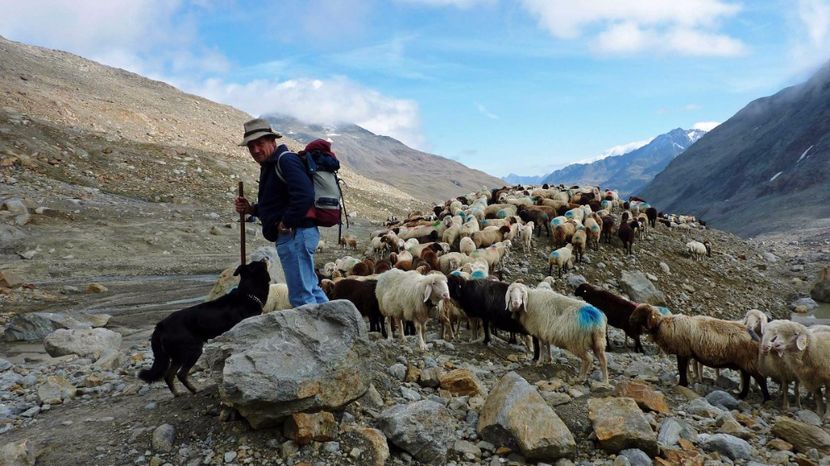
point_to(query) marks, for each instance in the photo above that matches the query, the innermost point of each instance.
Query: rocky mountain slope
(765, 169)
(428, 177)
(627, 172)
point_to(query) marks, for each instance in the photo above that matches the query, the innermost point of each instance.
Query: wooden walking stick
(241, 229)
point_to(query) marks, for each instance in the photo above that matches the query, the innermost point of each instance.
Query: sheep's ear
(524, 299)
(238, 270)
(427, 292)
(507, 300)
(801, 342)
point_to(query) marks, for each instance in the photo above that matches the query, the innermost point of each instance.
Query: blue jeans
(296, 251)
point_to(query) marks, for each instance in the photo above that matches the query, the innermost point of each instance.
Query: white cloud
(692, 107)
(811, 30)
(705, 125)
(483, 110)
(462, 4)
(336, 100)
(685, 26)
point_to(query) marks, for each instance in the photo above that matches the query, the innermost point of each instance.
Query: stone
(468, 449)
(376, 450)
(732, 427)
(5, 365)
(722, 400)
(619, 424)
(640, 289)
(55, 390)
(372, 398)
(701, 407)
(685, 392)
(808, 417)
(462, 382)
(770, 257)
(646, 397)
(35, 326)
(672, 430)
(779, 444)
(306, 359)
(19, 453)
(164, 436)
(431, 377)
(96, 288)
(424, 429)
(728, 445)
(110, 360)
(86, 343)
(807, 303)
(516, 416)
(409, 394)
(674, 457)
(802, 436)
(636, 457)
(575, 280)
(821, 289)
(9, 279)
(304, 428)
(398, 371)
(665, 268)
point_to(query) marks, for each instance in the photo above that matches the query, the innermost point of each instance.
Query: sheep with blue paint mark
(562, 258)
(563, 321)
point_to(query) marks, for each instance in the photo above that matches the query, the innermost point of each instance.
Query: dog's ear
(238, 270)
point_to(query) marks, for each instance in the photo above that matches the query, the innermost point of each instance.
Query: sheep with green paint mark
(563, 321)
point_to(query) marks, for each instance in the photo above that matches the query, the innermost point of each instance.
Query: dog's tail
(161, 360)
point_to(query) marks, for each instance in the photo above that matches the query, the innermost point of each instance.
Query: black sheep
(626, 234)
(362, 294)
(617, 309)
(651, 213)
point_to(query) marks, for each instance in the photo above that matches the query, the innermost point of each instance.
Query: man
(282, 206)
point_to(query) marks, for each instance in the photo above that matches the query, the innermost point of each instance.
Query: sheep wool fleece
(296, 251)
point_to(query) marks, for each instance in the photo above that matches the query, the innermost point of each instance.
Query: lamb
(806, 354)
(562, 258)
(713, 342)
(526, 236)
(696, 249)
(348, 241)
(466, 246)
(608, 228)
(450, 316)
(626, 234)
(277, 298)
(562, 321)
(362, 294)
(409, 296)
(578, 241)
(617, 310)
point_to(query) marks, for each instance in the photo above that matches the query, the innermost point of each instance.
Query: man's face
(262, 148)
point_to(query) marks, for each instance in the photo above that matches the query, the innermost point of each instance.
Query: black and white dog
(178, 339)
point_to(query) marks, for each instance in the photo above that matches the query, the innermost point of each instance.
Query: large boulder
(619, 424)
(802, 436)
(424, 429)
(646, 397)
(821, 290)
(86, 343)
(306, 359)
(35, 326)
(640, 289)
(516, 416)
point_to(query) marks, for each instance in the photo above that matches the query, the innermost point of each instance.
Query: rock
(646, 397)
(808, 304)
(409, 394)
(640, 289)
(372, 398)
(802, 436)
(398, 371)
(516, 416)
(808, 417)
(770, 257)
(424, 429)
(9, 279)
(55, 390)
(665, 268)
(431, 377)
(304, 428)
(722, 399)
(306, 359)
(163, 438)
(674, 456)
(636, 457)
(701, 407)
(727, 445)
(469, 450)
(673, 430)
(4, 365)
(619, 424)
(462, 382)
(96, 288)
(86, 343)
(20, 453)
(733, 427)
(575, 280)
(821, 289)
(110, 360)
(377, 448)
(35, 326)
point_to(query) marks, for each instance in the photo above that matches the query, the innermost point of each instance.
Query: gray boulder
(619, 424)
(722, 399)
(310, 358)
(35, 326)
(515, 415)
(640, 289)
(727, 445)
(86, 343)
(424, 429)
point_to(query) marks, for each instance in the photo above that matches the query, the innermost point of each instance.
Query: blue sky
(520, 86)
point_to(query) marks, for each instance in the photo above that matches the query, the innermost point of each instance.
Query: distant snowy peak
(617, 150)
(694, 135)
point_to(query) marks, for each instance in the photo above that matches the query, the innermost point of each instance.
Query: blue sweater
(284, 201)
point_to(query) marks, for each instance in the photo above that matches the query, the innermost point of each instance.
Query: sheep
(494, 254)
(593, 230)
(778, 365)
(451, 261)
(609, 228)
(626, 235)
(754, 321)
(277, 298)
(403, 260)
(362, 294)
(806, 354)
(488, 236)
(713, 342)
(450, 316)
(651, 214)
(409, 296)
(526, 236)
(578, 241)
(617, 310)
(562, 258)
(562, 321)
(466, 246)
(346, 263)
(696, 249)
(348, 241)
(562, 233)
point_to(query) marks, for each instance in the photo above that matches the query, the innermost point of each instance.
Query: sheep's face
(436, 290)
(516, 298)
(329, 269)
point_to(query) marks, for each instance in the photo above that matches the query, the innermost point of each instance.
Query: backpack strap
(277, 166)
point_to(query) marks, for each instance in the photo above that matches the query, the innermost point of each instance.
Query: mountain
(765, 169)
(514, 179)
(427, 177)
(627, 172)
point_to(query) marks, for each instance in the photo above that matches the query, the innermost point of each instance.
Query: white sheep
(562, 258)
(696, 249)
(466, 245)
(526, 235)
(494, 254)
(811, 356)
(776, 365)
(277, 298)
(409, 296)
(566, 322)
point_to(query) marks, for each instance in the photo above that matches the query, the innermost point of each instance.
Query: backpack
(321, 165)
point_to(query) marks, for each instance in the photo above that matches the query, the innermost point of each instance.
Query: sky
(521, 86)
